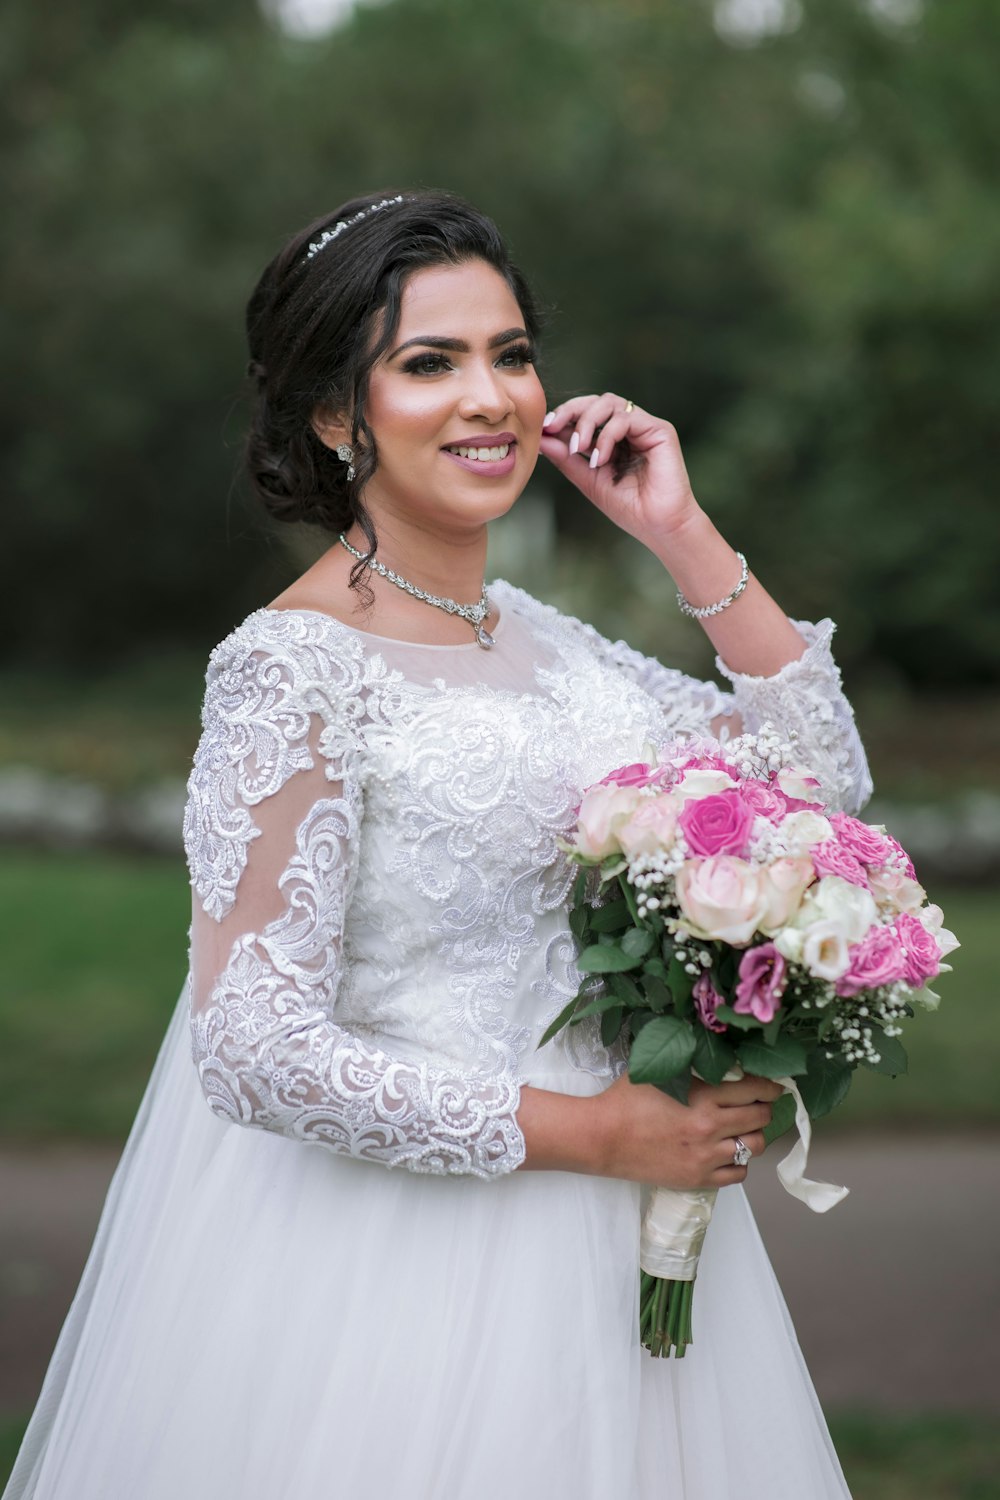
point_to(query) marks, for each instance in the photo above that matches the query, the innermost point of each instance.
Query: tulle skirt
(265, 1319)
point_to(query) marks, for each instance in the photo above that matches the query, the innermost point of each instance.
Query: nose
(485, 394)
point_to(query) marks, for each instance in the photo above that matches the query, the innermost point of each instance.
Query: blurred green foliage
(789, 245)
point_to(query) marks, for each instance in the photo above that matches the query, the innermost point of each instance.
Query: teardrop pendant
(484, 638)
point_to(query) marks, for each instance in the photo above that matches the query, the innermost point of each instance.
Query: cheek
(404, 415)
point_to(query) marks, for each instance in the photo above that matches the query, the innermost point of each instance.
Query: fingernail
(595, 458)
(550, 416)
(574, 442)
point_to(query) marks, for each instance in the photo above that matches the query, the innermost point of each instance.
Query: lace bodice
(380, 925)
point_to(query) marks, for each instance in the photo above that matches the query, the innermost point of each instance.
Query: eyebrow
(457, 346)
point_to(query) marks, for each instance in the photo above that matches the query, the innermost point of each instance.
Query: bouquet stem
(665, 1315)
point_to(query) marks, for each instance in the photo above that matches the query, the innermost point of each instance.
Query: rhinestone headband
(315, 246)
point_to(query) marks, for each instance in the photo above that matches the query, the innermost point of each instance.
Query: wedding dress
(379, 939)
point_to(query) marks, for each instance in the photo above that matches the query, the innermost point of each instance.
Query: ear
(332, 428)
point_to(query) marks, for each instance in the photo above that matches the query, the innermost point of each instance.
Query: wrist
(566, 1132)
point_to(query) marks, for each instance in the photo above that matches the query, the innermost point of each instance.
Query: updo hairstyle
(314, 332)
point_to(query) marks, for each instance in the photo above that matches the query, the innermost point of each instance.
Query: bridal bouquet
(728, 923)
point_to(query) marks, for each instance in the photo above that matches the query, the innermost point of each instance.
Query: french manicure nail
(595, 458)
(574, 442)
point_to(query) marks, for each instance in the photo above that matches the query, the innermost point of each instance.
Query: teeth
(483, 455)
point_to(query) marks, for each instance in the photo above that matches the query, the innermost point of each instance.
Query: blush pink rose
(708, 763)
(859, 839)
(602, 812)
(718, 824)
(652, 826)
(763, 801)
(761, 983)
(877, 959)
(637, 774)
(721, 898)
(799, 785)
(784, 883)
(921, 954)
(896, 889)
(831, 858)
(897, 848)
(706, 1002)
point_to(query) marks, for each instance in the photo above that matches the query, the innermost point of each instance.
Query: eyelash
(419, 362)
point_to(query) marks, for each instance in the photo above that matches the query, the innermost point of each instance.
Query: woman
(390, 753)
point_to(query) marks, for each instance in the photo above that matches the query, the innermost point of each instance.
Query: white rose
(789, 944)
(933, 917)
(832, 899)
(824, 950)
(802, 829)
(695, 783)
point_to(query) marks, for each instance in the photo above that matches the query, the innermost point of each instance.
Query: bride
(391, 750)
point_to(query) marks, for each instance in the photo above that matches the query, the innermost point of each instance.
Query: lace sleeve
(272, 829)
(805, 701)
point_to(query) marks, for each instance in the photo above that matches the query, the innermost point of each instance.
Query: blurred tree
(787, 244)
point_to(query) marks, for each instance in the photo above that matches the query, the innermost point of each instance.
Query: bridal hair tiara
(315, 246)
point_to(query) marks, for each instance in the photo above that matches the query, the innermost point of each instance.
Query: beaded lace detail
(379, 933)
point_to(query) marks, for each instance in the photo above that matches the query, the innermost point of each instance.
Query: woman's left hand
(653, 496)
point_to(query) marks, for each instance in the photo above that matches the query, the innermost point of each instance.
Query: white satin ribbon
(674, 1223)
(819, 1196)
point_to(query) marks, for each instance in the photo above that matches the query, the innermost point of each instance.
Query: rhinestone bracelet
(706, 610)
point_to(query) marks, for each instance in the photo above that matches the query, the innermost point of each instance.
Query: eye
(426, 364)
(517, 355)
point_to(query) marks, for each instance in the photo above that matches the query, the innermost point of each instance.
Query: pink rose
(708, 763)
(602, 812)
(763, 801)
(799, 785)
(860, 839)
(761, 983)
(896, 848)
(652, 826)
(637, 774)
(721, 897)
(921, 954)
(784, 883)
(718, 824)
(707, 1001)
(831, 858)
(877, 959)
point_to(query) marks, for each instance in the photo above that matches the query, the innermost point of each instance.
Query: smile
(482, 455)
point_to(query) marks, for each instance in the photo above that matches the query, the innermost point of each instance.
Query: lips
(489, 454)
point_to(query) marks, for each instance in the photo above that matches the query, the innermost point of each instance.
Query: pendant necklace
(474, 613)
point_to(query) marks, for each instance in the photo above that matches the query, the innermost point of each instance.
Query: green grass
(94, 953)
(884, 1458)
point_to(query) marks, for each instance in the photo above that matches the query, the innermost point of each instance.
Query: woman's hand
(636, 1132)
(627, 463)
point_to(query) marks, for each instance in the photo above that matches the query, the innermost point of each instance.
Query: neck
(440, 562)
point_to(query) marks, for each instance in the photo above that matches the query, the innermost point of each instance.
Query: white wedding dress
(380, 937)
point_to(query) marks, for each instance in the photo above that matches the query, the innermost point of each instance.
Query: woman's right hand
(636, 1132)
(652, 1138)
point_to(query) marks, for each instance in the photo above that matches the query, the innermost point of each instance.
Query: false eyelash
(416, 364)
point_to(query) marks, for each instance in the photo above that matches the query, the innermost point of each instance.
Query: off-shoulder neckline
(391, 640)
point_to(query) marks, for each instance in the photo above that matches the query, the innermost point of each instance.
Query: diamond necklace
(474, 613)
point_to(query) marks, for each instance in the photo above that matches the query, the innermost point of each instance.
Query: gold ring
(629, 406)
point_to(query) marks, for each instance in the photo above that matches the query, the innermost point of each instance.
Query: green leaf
(677, 1087)
(658, 997)
(605, 958)
(825, 1085)
(662, 1049)
(787, 1058)
(737, 1019)
(580, 888)
(782, 1117)
(628, 896)
(611, 1025)
(892, 1054)
(713, 1055)
(773, 1029)
(579, 921)
(681, 983)
(595, 1007)
(627, 991)
(560, 1021)
(655, 967)
(637, 942)
(611, 917)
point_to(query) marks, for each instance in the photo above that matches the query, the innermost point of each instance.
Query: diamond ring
(742, 1154)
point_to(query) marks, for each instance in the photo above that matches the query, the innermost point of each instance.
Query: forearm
(753, 635)
(562, 1133)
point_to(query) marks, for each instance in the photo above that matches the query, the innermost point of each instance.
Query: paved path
(883, 1321)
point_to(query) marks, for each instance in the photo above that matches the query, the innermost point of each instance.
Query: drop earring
(346, 453)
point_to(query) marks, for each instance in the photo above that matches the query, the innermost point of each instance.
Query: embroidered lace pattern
(379, 932)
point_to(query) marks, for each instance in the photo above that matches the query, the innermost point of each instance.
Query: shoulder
(282, 686)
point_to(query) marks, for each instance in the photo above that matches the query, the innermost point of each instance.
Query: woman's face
(458, 376)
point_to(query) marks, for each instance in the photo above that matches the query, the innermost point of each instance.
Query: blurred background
(775, 222)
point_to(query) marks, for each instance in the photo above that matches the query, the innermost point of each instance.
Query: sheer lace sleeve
(272, 829)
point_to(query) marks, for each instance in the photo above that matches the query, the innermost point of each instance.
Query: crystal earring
(346, 453)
